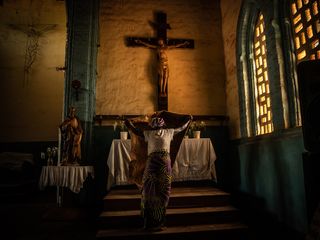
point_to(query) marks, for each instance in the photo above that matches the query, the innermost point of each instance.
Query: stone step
(180, 197)
(194, 212)
(235, 231)
(174, 216)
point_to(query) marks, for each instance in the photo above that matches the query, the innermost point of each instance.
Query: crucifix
(161, 43)
(33, 33)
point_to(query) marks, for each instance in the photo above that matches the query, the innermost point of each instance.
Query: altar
(195, 161)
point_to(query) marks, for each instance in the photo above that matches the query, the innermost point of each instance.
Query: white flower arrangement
(120, 124)
(197, 126)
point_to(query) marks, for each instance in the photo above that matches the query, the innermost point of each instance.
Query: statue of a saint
(71, 135)
(163, 67)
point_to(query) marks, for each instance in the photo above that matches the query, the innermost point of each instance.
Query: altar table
(194, 161)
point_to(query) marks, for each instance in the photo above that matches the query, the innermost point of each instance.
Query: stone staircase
(197, 212)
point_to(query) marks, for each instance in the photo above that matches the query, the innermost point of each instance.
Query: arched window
(264, 74)
(306, 29)
(261, 80)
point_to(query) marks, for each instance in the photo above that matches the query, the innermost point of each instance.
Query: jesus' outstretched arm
(145, 44)
(178, 45)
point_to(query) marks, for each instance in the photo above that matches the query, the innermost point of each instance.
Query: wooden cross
(161, 43)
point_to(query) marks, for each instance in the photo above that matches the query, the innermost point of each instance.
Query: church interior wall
(271, 171)
(230, 13)
(31, 98)
(127, 76)
(202, 81)
(269, 167)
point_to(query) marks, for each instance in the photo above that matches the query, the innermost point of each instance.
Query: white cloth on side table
(71, 177)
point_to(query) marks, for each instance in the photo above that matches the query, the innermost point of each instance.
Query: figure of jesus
(163, 67)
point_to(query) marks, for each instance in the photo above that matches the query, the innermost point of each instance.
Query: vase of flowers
(196, 134)
(120, 124)
(196, 128)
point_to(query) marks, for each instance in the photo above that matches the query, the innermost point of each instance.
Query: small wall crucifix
(33, 33)
(161, 43)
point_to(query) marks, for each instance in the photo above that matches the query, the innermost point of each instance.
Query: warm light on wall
(306, 29)
(263, 106)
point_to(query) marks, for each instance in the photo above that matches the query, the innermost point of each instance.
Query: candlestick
(59, 146)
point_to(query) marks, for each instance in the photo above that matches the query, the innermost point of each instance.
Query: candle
(59, 146)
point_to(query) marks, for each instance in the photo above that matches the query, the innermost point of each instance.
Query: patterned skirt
(156, 189)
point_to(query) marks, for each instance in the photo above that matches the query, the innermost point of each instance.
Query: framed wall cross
(161, 44)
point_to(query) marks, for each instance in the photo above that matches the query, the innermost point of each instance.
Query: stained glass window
(261, 80)
(306, 29)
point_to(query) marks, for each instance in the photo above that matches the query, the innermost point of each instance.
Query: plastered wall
(127, 81)
(230, 12)
(31, 101)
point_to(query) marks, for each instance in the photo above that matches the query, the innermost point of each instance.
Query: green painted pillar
(81, 58)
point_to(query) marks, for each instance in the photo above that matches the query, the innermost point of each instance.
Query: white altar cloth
(194, 161)
(71, 177)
